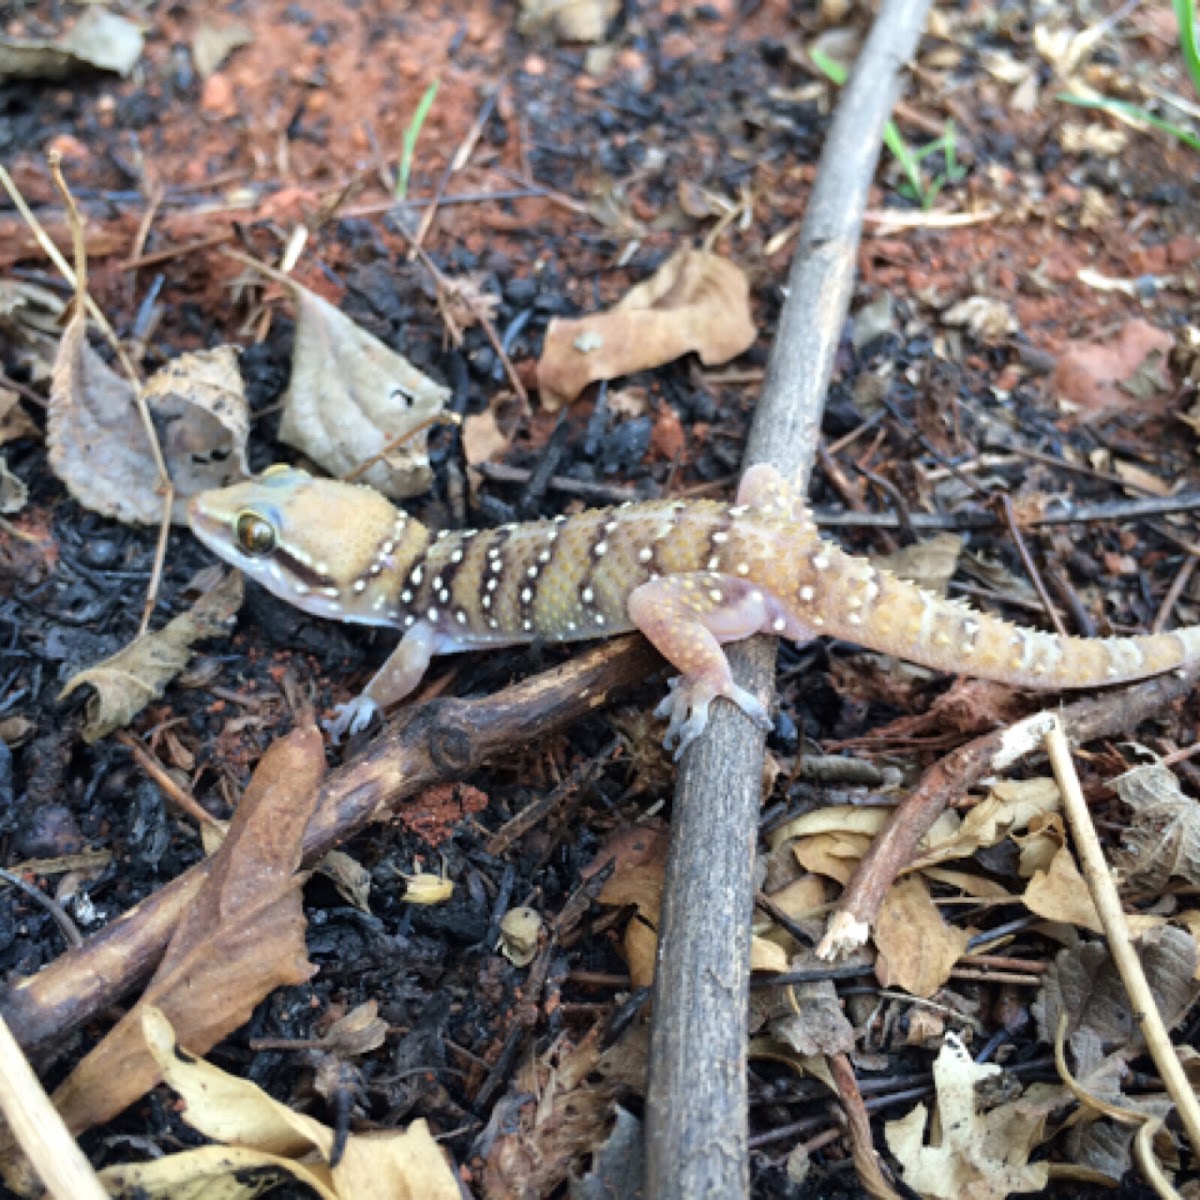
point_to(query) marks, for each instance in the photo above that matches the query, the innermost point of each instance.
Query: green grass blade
(893, 139)
(1185, 14)
(1133, 110)
(410, 139)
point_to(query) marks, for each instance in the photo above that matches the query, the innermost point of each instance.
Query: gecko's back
(690, 574)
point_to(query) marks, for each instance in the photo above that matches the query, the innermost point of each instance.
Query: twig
(149, 763)
(425, 744)
(1112, 510)
(57, 913)
(696, 1101)
(895, 848)
(36, 1126)
(1108, 904)
(165, 488)
(461, 157)
(445, 285)
(1178, 586)
(858, 1123)
(1035, 576)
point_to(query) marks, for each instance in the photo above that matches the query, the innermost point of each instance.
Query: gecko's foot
(686, 708)
(351, 718)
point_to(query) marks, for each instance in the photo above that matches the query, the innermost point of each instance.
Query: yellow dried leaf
(350, 396)
(125, 683)
(917, 949)
(695, 302)
(242, 936)
(1060, 894)
(980, 1155)
(520, 932)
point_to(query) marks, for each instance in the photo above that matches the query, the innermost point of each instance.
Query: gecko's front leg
(688, 617)
(397, 678)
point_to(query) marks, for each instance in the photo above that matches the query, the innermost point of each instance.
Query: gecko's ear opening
(254, 534)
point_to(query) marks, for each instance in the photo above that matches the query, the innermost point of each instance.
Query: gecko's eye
(255, 535)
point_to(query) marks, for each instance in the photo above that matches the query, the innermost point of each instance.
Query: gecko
(692, 575)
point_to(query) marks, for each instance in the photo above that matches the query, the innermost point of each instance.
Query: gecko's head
(329, 548)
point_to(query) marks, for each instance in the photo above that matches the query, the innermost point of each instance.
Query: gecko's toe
(351, 718)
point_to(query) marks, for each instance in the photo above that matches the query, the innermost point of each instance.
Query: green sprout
(916, 187)
(410, 140)
(1185, 15)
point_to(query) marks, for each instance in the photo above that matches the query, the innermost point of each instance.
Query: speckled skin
(691, 575)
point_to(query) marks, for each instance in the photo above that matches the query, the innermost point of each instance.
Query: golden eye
(255, 535)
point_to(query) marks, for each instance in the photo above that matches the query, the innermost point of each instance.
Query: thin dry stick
(1035, 576)
(461, 157)
(696, 1103)
(895, 847)
(78, 280)
(485, 323)
(1112, 917)
(38, 1129)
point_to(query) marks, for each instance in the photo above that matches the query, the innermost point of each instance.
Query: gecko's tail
(891, 615)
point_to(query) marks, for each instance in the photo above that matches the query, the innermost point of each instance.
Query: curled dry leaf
(570, 20)
(917, 949)
(213, 44)
(242, 937)
(1163, 840)
(99, 39)
(99, 447)
(987, 318)
(576, 1087)
(267, 1136)
(520, 931)
(696, 301)
(929, 564)
(13, 492)
(1084, 983)
(199, 407)
(136, 675)
(981, 1155)
(15, 422)
(350, 396)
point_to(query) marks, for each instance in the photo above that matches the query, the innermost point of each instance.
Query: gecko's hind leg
(688, 617)
(766, 491)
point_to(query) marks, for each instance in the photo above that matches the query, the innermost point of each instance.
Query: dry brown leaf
(1007, 809)
(359, 1032)
(242, 937)
(264, 1134)
(520, 934)
(979, 1156)
(15, 422)
(350, 396)
(13, 492)
(1103, 376)
(1084, 983)
(930, 564)
(917, 949)
(641, 857)
(99, 39)
(696, 301)
(575, 1087)
(817, 1024)
(213, 44)
(570, 20)
(1163, 840)
(1060, 894)
(987, 318)
(464, 301)
(125, 683)
(99, 447)
(200, 411)
(349, 876)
